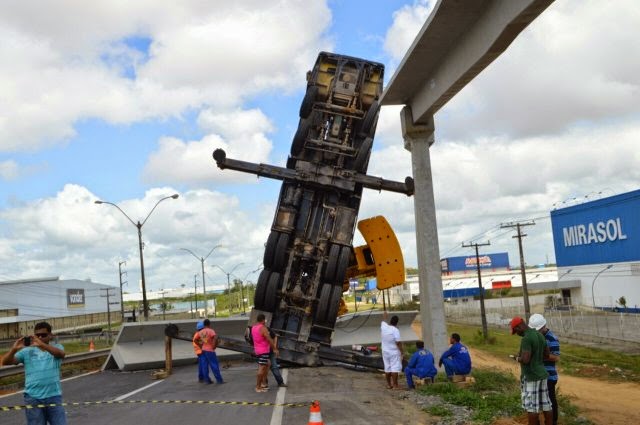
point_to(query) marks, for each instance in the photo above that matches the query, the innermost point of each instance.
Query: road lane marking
(122, 397)
(278, 410)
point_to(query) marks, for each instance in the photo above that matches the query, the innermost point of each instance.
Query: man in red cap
(533, 375)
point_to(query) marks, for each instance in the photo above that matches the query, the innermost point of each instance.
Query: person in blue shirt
(456, 359)
(42, 375)
(421, 364)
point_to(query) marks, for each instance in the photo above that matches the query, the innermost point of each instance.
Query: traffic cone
(315, 417)
(92, 346)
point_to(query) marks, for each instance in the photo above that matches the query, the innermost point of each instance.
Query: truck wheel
(369, 121)
(320, 314)
(270, 249)
(280, 254)
(332, 262)
(307, 102)
(300, 137)
(261, 289)
(343, 263)
(271, 293)
(362, 157)
(334, 305)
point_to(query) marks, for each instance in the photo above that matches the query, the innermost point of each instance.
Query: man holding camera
(42, 375)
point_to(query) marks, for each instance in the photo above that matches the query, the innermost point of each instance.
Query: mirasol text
(585, 234)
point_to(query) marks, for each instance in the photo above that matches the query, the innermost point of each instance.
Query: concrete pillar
(417, 140)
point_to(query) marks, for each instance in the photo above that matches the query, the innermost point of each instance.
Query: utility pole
(520, 235)
(195, 291)
(191, 305)
(485, 329)
(121, 283)
(107, 295)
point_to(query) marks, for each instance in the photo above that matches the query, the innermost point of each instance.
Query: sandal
(261, 390)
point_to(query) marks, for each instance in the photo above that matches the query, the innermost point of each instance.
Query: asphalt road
(346, 397)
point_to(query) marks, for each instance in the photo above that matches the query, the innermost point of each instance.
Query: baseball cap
(515, 322)
(537, 321)
(199, 326)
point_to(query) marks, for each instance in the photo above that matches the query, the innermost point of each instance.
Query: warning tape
(201, 402)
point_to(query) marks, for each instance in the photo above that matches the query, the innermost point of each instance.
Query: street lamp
(558, 284)
(228, 281)
(139, 225)
(244, 311)
(202, 259)
(593, 298)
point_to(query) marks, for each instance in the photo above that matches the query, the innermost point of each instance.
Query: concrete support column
(417, 140)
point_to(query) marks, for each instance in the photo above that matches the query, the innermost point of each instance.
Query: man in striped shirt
(539, 323)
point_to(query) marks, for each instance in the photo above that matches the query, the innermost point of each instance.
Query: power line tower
(122, 283)
(525, 291)
(485, 329)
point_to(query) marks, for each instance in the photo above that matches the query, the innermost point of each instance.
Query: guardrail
(71, 358)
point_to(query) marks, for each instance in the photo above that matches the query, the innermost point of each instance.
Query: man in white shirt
(391, 350)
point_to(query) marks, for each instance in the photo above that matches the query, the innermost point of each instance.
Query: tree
(623, 302)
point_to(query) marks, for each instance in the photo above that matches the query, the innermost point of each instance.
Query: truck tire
(368, 123)
(337, 263)
(270, 249)
(341, 267)
(280, 254)
(301, 135)
(361, 160)
(271, 293)
(261, 289)
(334, 305)
(320, 313)
(332, 263)
(307, 102)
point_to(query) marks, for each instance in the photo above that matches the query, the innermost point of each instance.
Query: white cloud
(199, 55)
(242, 134)
(407, 22)
(68, 233)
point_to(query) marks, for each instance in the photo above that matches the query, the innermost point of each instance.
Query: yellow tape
(95, 403)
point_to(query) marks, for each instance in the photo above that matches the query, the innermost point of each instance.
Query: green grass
(439, 411)
(574, 360)
(495, 394)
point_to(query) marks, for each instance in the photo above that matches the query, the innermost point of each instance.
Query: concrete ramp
(363, 328)
(140, 346)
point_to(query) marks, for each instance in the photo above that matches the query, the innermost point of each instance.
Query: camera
(27, 341)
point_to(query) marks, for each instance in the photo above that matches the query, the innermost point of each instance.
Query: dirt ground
(604, 403)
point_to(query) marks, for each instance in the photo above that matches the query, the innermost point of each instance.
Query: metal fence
(576, 322)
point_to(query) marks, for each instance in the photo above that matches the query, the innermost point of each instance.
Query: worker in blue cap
(202, 362)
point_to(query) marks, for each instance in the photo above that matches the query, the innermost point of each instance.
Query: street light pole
(202, 260)
(244, 310)
(228, 281)
(593, 298)
(139, 225)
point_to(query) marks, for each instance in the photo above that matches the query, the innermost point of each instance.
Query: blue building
(598, 244)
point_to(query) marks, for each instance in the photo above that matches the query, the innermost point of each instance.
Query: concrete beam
(458, 40)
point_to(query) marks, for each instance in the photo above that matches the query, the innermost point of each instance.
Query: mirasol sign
(602, 231)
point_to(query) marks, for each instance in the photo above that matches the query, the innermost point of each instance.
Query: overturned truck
(309, 249)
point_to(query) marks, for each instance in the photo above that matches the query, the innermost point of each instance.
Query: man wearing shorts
(391, 350)
(262, 345)
(533, 377)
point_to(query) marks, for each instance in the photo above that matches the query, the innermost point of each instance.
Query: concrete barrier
(141, 345)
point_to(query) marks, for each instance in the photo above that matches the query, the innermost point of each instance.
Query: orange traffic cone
(92, 346)
(315, 417)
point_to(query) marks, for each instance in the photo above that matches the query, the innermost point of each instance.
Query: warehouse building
(66, 304)
(597, 244)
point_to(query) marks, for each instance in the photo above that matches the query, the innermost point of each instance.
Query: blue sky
(127, 104)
